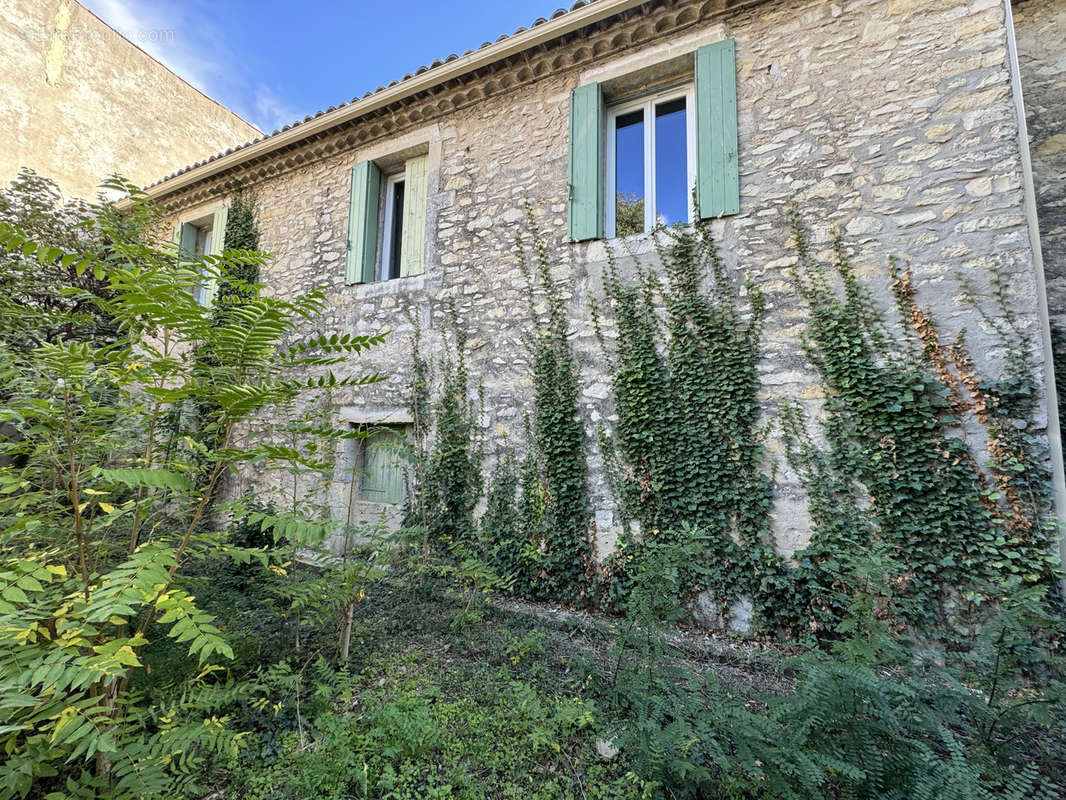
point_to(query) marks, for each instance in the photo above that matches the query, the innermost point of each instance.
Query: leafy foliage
(63, 298)
(685, 456)
(895, 417)
(416, 729)
(559, 461)
(104, 503)
(509, 553)
(874, 718)
(238, 281)
(450, 480)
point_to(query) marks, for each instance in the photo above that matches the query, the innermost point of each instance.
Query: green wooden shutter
(718, 181)
(218, 244)
(413, 248)
(185, 236)
(383, 468)
(363, 223)
(218, 230)
(586, 163)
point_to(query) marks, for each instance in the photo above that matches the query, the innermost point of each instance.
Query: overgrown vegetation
(105, 504)
(900, 471)
(556, 464)
(159, 638)
(449, 480)
(685, 457)
(64, 302)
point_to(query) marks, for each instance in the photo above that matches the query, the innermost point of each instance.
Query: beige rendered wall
(81, 102)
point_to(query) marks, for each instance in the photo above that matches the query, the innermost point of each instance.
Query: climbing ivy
(557, 468)
(237, 282)
(685, 456)
(238, 285)
(899, 470)
(509, 549)
(449, 482)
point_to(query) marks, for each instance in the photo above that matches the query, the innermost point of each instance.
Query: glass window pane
(629, 173)
(396, 234)
(671, 163)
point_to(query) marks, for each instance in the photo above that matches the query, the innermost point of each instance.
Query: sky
(275, 62)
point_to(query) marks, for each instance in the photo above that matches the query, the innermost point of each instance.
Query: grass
(427, 710)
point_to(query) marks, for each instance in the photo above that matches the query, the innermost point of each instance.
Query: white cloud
(268, 111)
(183, 37)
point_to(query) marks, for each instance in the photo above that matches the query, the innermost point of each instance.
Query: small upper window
(387, 221)
(650, 163)
(195, 239)
(392, 243)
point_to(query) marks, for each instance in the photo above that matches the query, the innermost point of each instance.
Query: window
(202, 237)
(382, 466)
(392, 243)
(634, 165)
(650, 163)
(387, 222)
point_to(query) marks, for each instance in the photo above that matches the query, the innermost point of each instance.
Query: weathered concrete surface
(1040, 28)
(891, 119)
(80, 102)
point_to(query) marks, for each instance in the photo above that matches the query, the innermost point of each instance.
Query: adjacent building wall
(1040, 28)
(80, 102)
(891, 119)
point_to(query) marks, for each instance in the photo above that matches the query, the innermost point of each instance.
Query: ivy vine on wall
(899, 472)
(685, 457)
(915, 464)
(449, 452)
(556, 467)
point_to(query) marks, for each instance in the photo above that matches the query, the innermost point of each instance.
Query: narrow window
(629, 173)
(391, 265)
(671, 163)
(650, 175)
(395, 229)
(196, 242)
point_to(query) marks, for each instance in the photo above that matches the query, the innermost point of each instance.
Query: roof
(562, 21)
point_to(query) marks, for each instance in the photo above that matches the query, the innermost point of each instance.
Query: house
(81, 102)
(902, 122)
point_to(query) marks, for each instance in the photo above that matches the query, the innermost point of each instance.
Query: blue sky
(274, 62)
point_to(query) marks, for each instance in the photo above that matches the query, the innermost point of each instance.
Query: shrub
(104, 502)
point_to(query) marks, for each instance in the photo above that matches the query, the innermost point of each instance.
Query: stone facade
(1040, 27)
(891, 119)
(80, 102)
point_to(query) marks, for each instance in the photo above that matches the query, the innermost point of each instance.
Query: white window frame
(205, 230)
(648, 104)
(389, 199)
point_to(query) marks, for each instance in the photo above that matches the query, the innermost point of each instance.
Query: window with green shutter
(718, 186)
(637, 162)
(387, 221)
(203, 237)
(383, 465)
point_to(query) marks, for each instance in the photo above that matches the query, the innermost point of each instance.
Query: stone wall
(1040, 29)
(80, 102)
(891, 119)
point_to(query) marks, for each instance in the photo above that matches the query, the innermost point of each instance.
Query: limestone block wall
(890, 119)
(1040, 28)
(80, 102)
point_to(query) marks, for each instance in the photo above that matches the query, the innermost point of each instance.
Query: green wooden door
(383, 468)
